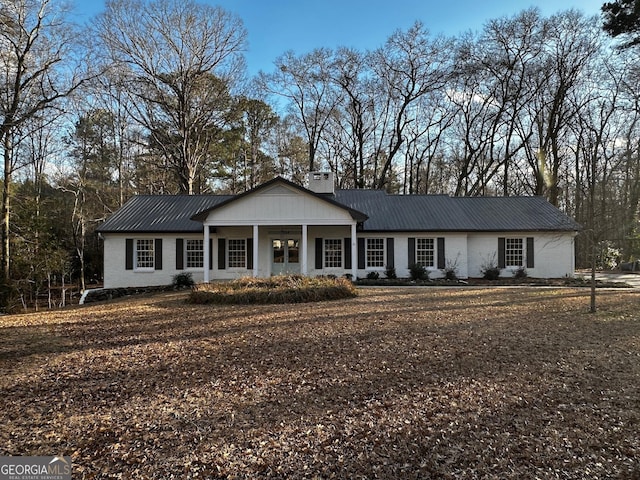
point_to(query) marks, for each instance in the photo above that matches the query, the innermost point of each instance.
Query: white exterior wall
(338, 232)
(469, 253)
(115, 274)
(455, 250)
(554, 255)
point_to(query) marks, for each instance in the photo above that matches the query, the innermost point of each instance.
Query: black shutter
(412, 251)
(347, 254)
(222, 254)
(391, 256)
(249, 253)
(158, 253)
(128, 256)
(530, 258)
(502, 261)
(318, 253)
(211, 254)
(441, 257)
(179, 254)
(361, 253)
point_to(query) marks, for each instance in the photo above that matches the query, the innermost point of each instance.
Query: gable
(278, 204)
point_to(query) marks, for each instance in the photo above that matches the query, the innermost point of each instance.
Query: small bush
(390, 272)
(491, 273)
(279, 289)
(183, 280)
(520, 273)
(373, 275)
(418, 272)
(450, 273)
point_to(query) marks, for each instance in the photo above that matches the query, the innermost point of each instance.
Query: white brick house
(280, 227)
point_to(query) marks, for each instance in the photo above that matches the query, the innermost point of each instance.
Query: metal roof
(410, 213)
(441, 213)
(161, 213)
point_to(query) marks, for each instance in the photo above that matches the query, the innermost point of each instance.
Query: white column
(354, 252)
(303, 251)
(255, 251)
(206, 254)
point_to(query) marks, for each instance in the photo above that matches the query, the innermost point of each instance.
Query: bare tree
(572, 43)
(433, 116)
(40, 66)
(305, 82)
(178, 61)
(407, 67)
(352, 124)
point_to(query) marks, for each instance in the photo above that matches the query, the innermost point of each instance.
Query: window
(195, 253)
(513, 252)
(425, 254)
(237, 253)
(332, 252)
(144, 253)
(375, 252)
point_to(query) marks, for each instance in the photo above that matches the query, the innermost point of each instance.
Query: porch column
(206, 254)
(255, 251)
(354, 253)
(303, 251)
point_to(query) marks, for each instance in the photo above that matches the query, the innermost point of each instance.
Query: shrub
(490, 273)
(390, 272)
(451, 270)
(278, 289)
(450, 274)
(520, 273)
(490, 269)
(183, 280)
(373, 275)
(418, 272)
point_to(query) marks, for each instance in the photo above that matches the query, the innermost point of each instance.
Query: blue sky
(275, 26)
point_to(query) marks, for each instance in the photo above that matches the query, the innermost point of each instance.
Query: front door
(285, 256)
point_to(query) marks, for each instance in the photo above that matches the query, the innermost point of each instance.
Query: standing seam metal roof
(443, 213)
(427, 213)
(161, 213)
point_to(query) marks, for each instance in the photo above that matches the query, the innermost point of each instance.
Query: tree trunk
(6, 208)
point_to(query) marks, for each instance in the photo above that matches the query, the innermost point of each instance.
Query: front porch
(263, 250)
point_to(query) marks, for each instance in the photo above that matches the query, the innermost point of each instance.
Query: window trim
(230, 266)
(434, 252)
(340, 243)
(152, 254)
(367, 265)
(186, 254)
(507, 249)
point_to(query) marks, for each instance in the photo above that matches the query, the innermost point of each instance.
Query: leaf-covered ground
(397, 383)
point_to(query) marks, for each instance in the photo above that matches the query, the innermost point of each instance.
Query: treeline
(160, 103)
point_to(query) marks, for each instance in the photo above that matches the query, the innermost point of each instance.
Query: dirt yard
(397, 383)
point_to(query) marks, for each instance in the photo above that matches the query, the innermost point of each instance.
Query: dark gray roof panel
(441, 213)
(161, 213)
(515, 214)
(409, 213)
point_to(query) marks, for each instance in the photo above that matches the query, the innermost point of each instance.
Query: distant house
(280, 227)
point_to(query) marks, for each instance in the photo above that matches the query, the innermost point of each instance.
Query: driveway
(632, 279)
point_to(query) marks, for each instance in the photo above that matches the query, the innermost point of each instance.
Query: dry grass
(396, 383)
